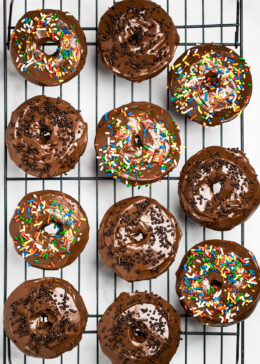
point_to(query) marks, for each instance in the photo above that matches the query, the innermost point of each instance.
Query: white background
(231, 133)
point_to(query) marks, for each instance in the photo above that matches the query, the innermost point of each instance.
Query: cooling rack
(94, 92)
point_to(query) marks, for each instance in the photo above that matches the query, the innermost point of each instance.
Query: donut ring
(38, 27)
(218, 282)
(136, 39)
(45, 317)
(46, 136)
(210, 84)
(138, 238)
(49, 249)
(139, 328)
(137, 143)
(238, 197)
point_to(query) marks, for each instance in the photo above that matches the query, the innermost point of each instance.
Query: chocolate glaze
(136, 39)
(219, 83)
(138, 238)
(138, 143)
(31, 33)
(238, 198)
(46, 136)
(45, 317)
(54, 249)
(225, 284)
(139, 328)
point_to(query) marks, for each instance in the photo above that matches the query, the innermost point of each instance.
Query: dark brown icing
(210, 84)
(41, 26)
(137, 143)
(218, 282)
(63, 243)
(46, 136)
(138, 238)
(45, 317)
(136, 39)
(139, 328)
(238, 197)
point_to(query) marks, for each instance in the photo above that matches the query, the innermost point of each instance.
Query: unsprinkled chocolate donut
(139, 328)
(136, 39)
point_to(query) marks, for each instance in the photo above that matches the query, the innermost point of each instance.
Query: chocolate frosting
(138, 238)
(41, 26)
(45, 317)
(218, 282)
(60, 246)
(136, 39)
(210, 84)
(238, 197)
(139, 328)
(137, 143)
(46, 136)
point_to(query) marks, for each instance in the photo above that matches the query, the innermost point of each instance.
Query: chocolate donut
(45, 317)
(46, 137)
(218, 282)
(210, 84)
(137, 143)
(238, 197)
(136, 39)
(41, 26)
(138, 238)
(49, 229)
(139, 328)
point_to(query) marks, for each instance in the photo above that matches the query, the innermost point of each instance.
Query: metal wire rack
(81, 177)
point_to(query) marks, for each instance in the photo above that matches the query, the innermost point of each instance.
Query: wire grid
(236, 42)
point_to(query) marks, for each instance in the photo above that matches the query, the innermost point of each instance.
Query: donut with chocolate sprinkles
(38, 27)
(210, 84)
(136, 39)
(46, 136)
(45, 317)
(218, 282)
(137, 143)
(138, 238)
(218, 188)
(49, 229)
(139, 328)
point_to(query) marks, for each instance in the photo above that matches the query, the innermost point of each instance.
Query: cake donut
(45, 317)
(49, 229)
(46, 136)
(139, 328)
(138, 238)
(238, 197)
(210, 84)
(136, 39)
(137, 143)
(41, 26)
(218, 282)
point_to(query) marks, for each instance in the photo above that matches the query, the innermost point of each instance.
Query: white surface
(159, 190)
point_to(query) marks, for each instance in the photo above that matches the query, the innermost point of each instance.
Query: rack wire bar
(237, 41)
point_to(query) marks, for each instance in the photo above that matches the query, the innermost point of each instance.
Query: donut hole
(138, 236)
(137, 141)
(52, 228)
(138, 332)
(45, 134)
(216, 283)
(212, 79)
(48, 47)
(44, 321)
(137, 37)
(216, 187)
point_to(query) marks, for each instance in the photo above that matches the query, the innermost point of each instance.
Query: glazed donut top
(139, 328)
(38, 27)
(46, 136)
(218, 282)
(210, 84)
(138, 143)
(138, 238)
(136, 39)
(59, 247)
(45, 317)
(238, 197)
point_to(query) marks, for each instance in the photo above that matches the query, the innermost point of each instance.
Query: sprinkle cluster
(33, 240)
(30, 57)
(217, 283)
(210, 83)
